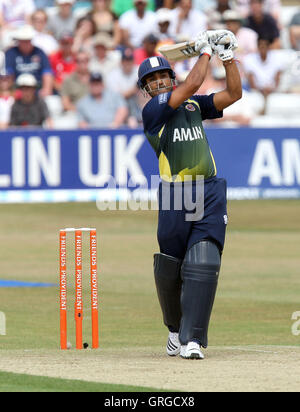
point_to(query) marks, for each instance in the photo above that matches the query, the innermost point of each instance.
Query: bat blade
(186, 50)
(179, 51)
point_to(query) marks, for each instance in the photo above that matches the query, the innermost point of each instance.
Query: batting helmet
(151, 65)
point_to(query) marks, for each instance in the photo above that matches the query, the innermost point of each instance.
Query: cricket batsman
(187, 268)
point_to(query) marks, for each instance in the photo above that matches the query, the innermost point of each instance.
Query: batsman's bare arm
(191, 84)
(233, 91)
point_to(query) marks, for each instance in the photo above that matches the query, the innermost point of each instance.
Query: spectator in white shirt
(136, 24)
(105, 59)
(162, 32)
(186, 21)
(246, 38)
(42, 39)
(264, 68)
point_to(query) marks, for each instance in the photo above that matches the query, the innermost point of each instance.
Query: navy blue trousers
(175, 233)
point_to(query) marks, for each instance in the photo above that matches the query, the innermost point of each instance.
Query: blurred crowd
(73, 64)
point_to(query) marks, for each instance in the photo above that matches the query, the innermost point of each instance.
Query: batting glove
(223, 42)
(202, 44)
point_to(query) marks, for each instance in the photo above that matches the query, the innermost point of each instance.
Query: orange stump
(94, 289)
(78, 287)
(63, 289)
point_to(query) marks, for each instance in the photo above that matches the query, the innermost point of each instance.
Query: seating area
(272, 94)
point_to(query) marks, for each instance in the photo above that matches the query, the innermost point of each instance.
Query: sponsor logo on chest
(187, 134)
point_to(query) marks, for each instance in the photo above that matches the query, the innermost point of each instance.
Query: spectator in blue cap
(101, 108)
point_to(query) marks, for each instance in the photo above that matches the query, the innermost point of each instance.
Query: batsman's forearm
(197, 76)
(233, 91)
(233, 80)
(191, 84)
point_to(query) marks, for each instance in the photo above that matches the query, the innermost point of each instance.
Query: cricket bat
(186, 50)
(179, 51)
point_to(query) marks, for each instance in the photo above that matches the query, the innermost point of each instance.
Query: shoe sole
(193, 356)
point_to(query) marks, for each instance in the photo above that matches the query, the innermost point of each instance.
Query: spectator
(123, 80)
(120, 7)
(105, 20)
(186, 21)
(42, 38)
(30, 110)
(162, 32)
(148, 50)
(63, 61)
(105, 59)
(264, 68)
(26, 58)
(101, 107)
(263, 23)
(294, 30)
(13, 14)
(6, 100)
(272, 7)
(136, 24)
(84, 32)
(214, 14)
(76, 85)
(63, 19)
(246, 38)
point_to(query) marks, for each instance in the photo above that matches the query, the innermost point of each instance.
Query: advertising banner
(81, 165)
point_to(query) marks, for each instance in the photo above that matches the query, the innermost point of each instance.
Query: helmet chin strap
(148, 90)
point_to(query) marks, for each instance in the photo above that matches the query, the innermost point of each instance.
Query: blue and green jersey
(178, 137)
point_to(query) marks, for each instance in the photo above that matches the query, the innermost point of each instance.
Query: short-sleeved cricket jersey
(178, 137)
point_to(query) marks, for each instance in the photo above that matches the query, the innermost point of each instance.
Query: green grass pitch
(257, 294)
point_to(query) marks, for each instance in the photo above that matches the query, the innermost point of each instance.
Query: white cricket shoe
(191, 351)
(173, 345)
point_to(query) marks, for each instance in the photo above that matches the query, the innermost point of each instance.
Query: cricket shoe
(173, 345)
(191, 351)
